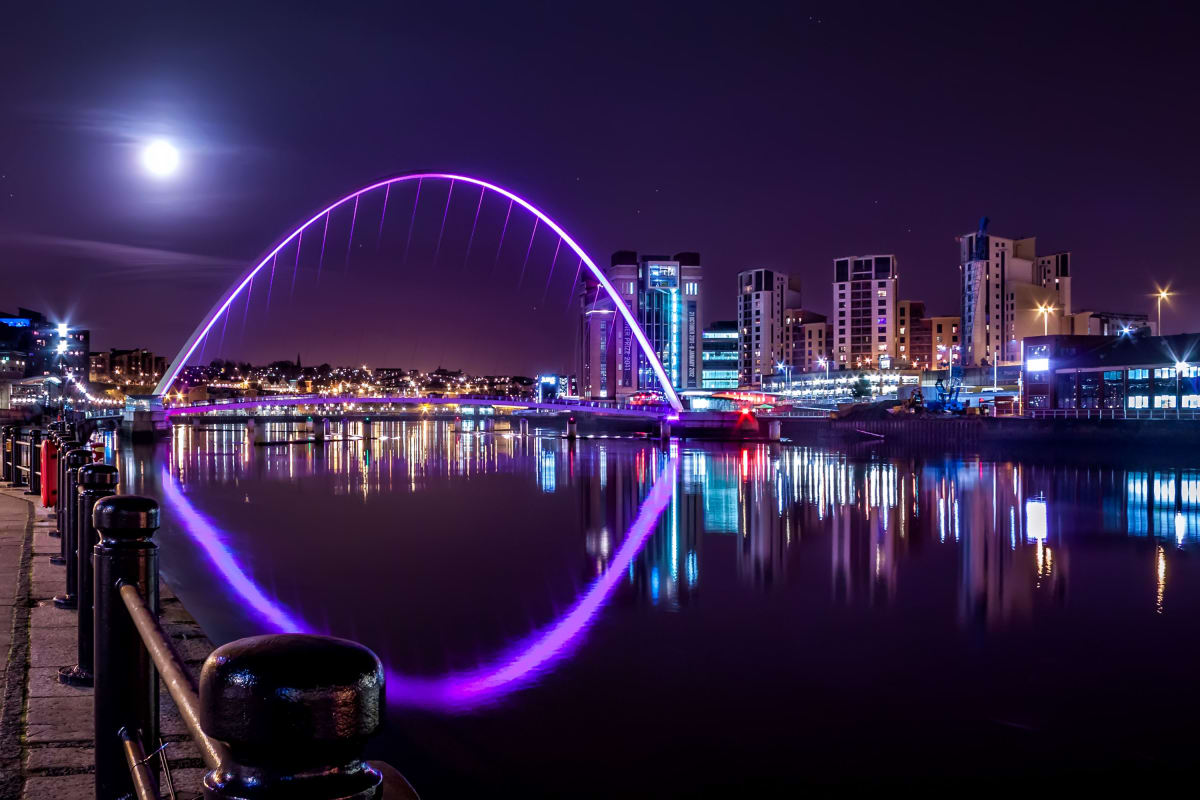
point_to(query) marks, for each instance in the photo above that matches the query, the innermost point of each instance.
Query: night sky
(765, 136)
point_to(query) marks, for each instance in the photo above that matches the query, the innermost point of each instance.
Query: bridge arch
(222, 305)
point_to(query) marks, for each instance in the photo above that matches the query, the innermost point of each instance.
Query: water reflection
(649, 518)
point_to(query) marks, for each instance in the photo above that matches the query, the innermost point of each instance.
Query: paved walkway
(46, 727)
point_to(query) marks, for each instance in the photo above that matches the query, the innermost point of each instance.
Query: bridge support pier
(524, 426)
(256, 434)
(572, 428)
(367, 431)
(774, 428)
(664, 429)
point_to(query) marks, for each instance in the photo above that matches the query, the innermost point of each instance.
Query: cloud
(123, 260)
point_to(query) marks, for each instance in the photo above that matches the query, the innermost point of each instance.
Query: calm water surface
(608, 617)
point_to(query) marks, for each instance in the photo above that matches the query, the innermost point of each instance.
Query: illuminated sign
(662, 276)
(1037, 365)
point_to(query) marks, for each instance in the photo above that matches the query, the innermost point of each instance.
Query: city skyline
(168, 247)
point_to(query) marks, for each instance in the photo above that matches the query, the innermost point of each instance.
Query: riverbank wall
(971, 432)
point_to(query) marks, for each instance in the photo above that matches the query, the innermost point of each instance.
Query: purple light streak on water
(296, 264)
(442, 230)
(202, 531)
(324, 237)
(553, 261)
(503, 231)
(468, 689)
(382, 216)
(222, 305)
(475, 224)
(412, 221)
(527, 249)
(350, 241)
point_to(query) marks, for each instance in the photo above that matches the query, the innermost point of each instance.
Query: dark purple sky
(758, 136)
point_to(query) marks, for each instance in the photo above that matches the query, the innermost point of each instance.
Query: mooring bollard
(73, 461)
(95, 482)
(295, 712)
(64, 447)
(126, 681)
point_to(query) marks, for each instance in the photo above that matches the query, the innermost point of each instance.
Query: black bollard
(295, 712)
(64, 446)
(126, 680)
(73, 460)
(95, 482)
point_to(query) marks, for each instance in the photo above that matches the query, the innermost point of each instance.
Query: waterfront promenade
(46, 727)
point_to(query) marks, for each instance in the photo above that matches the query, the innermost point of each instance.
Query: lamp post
(1046, 311)
(1180, 366)
(1163, 294)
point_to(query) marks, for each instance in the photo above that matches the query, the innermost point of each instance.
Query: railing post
(126, 681)
(95, 481)
(35, 462)
(18, 478)
(6, 449)
(295, 712)
(72, 461)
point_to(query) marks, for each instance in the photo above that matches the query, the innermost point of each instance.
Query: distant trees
(861, 388)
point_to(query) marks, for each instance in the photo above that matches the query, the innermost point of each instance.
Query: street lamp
(824, 362)
(1163, 294)
(1180, 366)
(1046, 311)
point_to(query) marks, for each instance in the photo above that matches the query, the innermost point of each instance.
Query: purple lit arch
(222, 306)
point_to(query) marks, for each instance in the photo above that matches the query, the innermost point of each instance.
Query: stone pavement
(46, 727)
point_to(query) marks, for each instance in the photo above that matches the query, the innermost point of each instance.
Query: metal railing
(22, 457)
(1115, 413)
(272, 716)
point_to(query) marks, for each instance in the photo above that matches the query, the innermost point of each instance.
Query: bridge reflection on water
(531, 557)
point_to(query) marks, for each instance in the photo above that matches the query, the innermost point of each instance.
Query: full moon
(160, 158)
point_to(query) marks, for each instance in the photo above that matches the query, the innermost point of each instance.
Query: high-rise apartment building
(1008, 293)
(864, 306)
(763, 294)
(663, 293)
(720, 358)
(806, 337)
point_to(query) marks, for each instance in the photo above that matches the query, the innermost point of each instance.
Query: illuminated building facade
(806, 338)
(50, 348)
(763, 294)
(1123, 373)
(864, 302)
(664, 295)
(720, 356)
(1008, 294)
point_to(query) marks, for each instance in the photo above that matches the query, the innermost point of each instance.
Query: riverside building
(663, 293)
(763, 294)
(864, 307)
(1009, 293)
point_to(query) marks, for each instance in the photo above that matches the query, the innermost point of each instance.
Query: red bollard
(49, 457)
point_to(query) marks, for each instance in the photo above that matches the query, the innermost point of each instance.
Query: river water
(612, 617)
